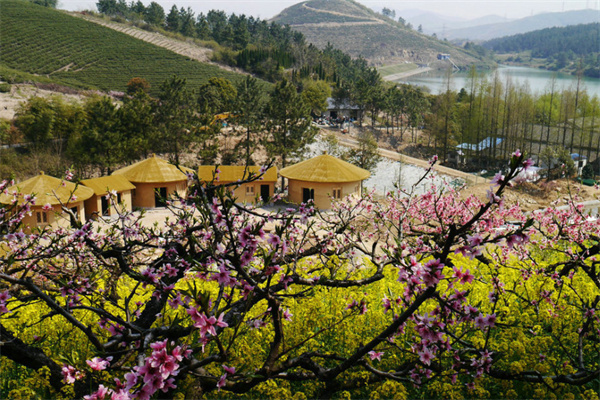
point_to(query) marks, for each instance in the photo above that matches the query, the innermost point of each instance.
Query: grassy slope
(396, 69)
(388, 40)
(78, 53)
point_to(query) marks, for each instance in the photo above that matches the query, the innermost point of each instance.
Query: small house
(155, 181)
(464, 151)
(481, 146)
(261, 189)
(100, 204)
(322, 179)
(457, 157)
(340, 111)
(51, 195)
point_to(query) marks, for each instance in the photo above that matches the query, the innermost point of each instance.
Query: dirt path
(339, 24)
(338, 13)
(370, 21)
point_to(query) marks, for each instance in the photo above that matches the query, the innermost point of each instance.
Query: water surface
(537, 79)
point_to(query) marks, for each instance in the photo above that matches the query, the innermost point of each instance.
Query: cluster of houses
(149, 183)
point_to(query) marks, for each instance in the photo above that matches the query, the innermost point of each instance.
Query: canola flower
(425, 295)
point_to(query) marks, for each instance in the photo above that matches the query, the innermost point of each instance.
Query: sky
(466, 9)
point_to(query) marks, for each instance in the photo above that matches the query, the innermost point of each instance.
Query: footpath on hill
(306, 6)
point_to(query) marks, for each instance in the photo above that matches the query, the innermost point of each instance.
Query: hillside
(71, 51)
(523, 25)
(580, 39)
(359, 31)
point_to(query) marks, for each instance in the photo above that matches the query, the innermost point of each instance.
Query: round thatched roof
(102, 185)
(151, 170)
(47, 190)
(325, 168)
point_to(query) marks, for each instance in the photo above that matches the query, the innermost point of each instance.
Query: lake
(538, 79)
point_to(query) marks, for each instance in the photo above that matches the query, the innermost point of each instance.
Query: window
(249, 190)
(308, 194)
(337, 193)
(42, 217)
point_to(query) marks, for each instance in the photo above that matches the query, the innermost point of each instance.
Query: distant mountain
(523, 25)
(439, 24)
(359, 31)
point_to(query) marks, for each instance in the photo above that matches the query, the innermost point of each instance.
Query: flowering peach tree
(412, 290)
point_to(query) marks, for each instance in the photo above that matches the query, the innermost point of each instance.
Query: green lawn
(396, 69)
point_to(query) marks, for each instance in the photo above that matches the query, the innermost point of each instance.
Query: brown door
(265, 193)
(160, 197)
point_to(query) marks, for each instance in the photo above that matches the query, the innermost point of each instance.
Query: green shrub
(587, 172)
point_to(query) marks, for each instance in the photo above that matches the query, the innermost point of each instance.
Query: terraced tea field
(79, 53)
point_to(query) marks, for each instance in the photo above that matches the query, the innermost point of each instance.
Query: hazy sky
(468, 9)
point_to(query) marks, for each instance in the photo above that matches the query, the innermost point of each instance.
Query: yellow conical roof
(47, 190)
(102, 185)
(325, 168)
(151, 170)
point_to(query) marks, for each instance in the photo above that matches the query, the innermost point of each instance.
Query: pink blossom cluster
(4, 296)
(99, 364)
(74, 288)
(229, 371)
(71, 374)
(157, 373)
(206, 324)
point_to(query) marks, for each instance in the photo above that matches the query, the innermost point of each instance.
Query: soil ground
(19, 93)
